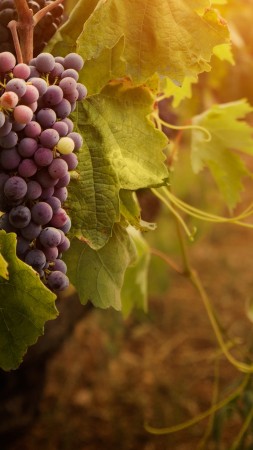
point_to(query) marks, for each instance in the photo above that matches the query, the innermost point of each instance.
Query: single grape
(54, 202)
(46, 117)
(58, 168)
(31, 231)
(73, 61)
(9, 100)
(34, 190)
(31, 95)
(27, 147)
(16, 85)
(65, 145)
(51, 253)
(9, 159)
(41, 213)
(70, 73)
(23, 114)
(59, 265)
(32, 129)
(64, 246)
(63, 181)
(57, 281)
(77, 138)
(59, 218)
(44, 62)
(40, 84)
(63, 109)
(6, 127)
(9, 141)
(68, 85)
(61, 127)
(69, 123)
(71, 160)
(20, 216)
(61, 193)
(50, 237)
(49, 138)
(36, 259)
(27, 168)
(66, 227)
(47, 193)
(7, 62)
(15, 188)
(82, 91)
(43, 156)
(22, 71)
(53, 95)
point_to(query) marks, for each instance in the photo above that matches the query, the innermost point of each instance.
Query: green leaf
(3, 267)
(134, 293)
(98, 275)
(122, 150)
(181, 92)
(228, 132)
(169, 38)
(25, 305)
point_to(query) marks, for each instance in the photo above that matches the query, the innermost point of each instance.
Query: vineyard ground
(113, 375)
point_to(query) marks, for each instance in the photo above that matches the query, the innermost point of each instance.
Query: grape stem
(22, 30)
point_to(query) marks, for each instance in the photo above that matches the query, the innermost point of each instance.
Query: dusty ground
(112, 375)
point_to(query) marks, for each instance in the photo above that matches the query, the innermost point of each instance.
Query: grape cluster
(43, 31)
(37, 152)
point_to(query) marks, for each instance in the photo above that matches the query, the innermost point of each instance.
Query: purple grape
(68, 85)
(77, 138)
(64, 181)
(22, 246)
(71, 160)
(46, 117)
(50, 237)
(44, 62)
(27, 168)
(31, 95)
(9, 141)
(43, 177)
(54, 202)
(59, 265)
(40, 84)
(82, 91)
(49, 138)
(43, 156)
(63, 109)
(41, 213)
(5, 224)
(61, 127)
(32, 129)
(36, 259)
(34, 190)
(59, 59)
(7, 62)
(70, 73)
(65, 228)
(9, 159)
(6, 128)
(51, 253)
(47, 193)
(58, 168)
(57, 281)
(34, 72)
(61, 194)
(59, 218)
(27, 147)
(73, 61)
(22, 114)
(20, 216)
(53, 95)
(56, 72)
(69, 124)
(31, 231)
(15, 188)
(16, 85)
(21, 70)
(64, 246)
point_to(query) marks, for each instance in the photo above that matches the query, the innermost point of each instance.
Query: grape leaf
(228, 132)
(122, 150)
(98, 275)
(181, 92)
(3, 267)
(169, 38)
(135, 288)
(25, 305)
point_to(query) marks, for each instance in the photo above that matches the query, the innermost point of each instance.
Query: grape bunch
(43, 31)
(38, 148)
